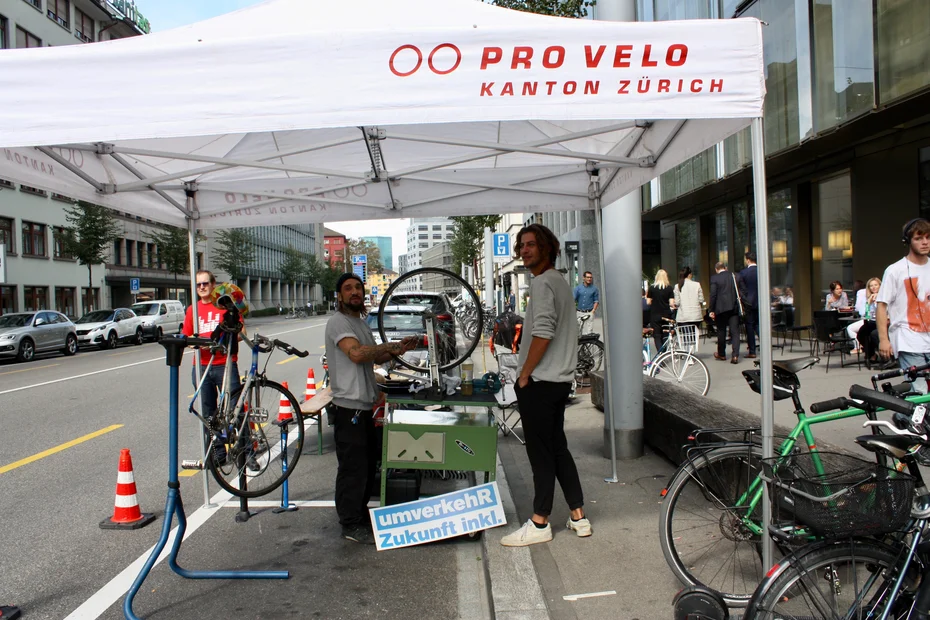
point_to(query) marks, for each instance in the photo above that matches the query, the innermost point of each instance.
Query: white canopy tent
(297, 111)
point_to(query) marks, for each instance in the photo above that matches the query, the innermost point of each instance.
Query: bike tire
(683, 369)
(471, 342)
(590, 358)
(861, 572)
(701, 531)
(253, 446)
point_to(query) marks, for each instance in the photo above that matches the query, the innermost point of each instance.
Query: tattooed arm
(377, 354)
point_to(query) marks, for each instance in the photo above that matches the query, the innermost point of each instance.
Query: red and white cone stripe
(285, 411)
(311, 385)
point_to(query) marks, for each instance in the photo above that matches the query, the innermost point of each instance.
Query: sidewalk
(623, 554)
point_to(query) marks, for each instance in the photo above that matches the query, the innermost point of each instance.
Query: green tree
(328, 278)
(468, 237)
(90, 235)
(293, 266)
(173, 250)
(369, 248)
(234, 251)
(313, 269)
(560, 8)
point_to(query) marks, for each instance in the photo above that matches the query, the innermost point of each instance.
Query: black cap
(347, 276)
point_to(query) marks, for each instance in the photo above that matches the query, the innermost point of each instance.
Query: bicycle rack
(174, 348)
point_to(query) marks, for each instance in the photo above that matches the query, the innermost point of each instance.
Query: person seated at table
(788, 298)
(861, 330)
(836, 298)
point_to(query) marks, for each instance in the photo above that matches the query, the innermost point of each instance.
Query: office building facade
(385, 247)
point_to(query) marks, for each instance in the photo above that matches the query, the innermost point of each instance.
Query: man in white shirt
(903, 304)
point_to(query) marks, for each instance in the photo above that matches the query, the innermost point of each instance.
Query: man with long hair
(351, 353)
(548, 356)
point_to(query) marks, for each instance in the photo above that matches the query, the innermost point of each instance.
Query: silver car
(23, 334)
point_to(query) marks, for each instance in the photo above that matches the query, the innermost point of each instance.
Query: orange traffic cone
(126, 513)
(285, 411)
(311, 386)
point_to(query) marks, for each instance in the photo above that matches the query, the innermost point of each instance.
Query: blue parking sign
(501, 245)
(134, 285)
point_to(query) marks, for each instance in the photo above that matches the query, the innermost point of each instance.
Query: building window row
(26, 39)
(37, 298)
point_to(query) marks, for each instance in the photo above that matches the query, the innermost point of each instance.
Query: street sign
(501, 246)
(359, 258)
(374, 290)
(571, 247)
(134, 286)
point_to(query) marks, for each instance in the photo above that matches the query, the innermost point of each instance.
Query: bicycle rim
(683, 369)
(457, 339)
(260, 450)
(701, 529)
(590, 357)
(847, 579)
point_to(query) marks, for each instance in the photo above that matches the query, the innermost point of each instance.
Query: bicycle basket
(782, 386)
(686, 337)
(852, 497)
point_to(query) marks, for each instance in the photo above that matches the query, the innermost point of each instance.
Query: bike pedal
(192, 464)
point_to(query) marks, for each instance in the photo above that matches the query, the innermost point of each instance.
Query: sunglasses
(199, 284)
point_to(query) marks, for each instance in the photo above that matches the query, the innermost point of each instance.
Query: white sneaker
(529, 534)
(582, 527)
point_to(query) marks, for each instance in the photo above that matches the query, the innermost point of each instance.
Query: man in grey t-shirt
(548, 356)
(351, 352)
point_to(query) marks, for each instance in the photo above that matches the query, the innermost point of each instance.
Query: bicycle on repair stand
(253, 442)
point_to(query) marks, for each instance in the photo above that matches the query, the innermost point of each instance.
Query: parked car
(160, 317)
(23, 334)
(441, 306)
(107, 328)
(403, 321)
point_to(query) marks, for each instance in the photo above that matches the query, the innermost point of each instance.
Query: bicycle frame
(753, 494)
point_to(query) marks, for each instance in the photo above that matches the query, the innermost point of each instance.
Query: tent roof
(305, 111)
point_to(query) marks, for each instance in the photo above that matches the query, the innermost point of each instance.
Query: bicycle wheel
(683, 369)
(701, 529)
(407, 298)
(841, 579)
(260, 452)
(590, 358)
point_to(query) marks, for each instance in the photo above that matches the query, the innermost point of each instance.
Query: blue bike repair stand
(286, 505)
(174, 507)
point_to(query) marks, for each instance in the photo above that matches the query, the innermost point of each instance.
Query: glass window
(130, 250)
(683, 9)
(64, 300)
(831, 236)
(437, 236)
(59, 11)
(33, 239)
(744, 233)
(720, 235)
(140, 254)
(117, 251)
(83, 26)
(843, 69)
(7, 299)
(6, 234)
(58, 233)
(423, 227)
(4, 43)
(689, 175)
(90, 299)
(35, 298)
(781, 242)
(923, 182)
(903, 46)
(437, 227)
(424, 236)
(686, 246)
(26, 39)
(728, 8)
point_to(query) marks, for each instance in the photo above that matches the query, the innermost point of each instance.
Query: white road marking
(100, 601)
(97, 372)
(575, 597)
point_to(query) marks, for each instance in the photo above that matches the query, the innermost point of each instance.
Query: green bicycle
(710, 524)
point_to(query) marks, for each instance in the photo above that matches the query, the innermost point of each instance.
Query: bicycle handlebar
(832, 405)
(898, 372)
(289, 349)
(880, 399)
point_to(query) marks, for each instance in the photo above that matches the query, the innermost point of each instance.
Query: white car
(107, 328)
(160, 317)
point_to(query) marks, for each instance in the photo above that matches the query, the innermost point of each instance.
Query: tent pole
(608, 401)
(191, 192)
(765, 322)
(488, 270)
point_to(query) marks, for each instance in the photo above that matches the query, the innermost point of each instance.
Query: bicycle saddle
(794, 366)
(895, 445)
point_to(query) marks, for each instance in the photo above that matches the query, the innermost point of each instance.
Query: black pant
(658, 325)
(357, 452)
(726, 320)
(542, 413)
(865, 338)
(752, 328)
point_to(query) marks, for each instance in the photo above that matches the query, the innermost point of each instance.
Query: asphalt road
(65, 422)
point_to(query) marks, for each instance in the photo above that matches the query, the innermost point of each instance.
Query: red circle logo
(394, 56)
(455, 65)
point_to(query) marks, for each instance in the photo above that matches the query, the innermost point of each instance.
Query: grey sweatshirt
(550, 315)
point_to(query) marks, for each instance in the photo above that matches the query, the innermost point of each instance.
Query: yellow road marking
(187, 473)
(322, 346)
(10, 372)
(64, 446)
(290, 359)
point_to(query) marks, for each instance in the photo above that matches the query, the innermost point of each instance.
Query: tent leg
(765, 321)
(198, 372)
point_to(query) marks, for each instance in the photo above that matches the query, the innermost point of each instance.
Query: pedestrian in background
(587, 298)
(661, 299)
(724, 310)
(749, 295)
(548, 356)
(689, 298)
